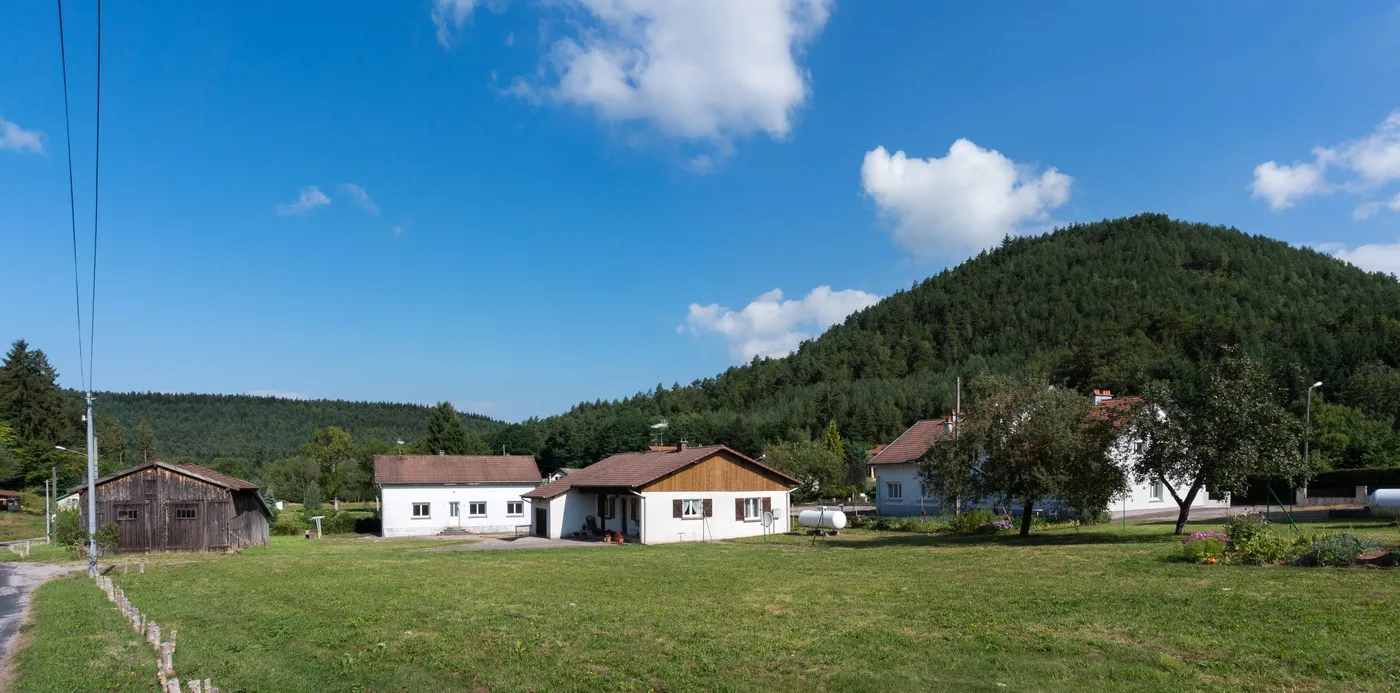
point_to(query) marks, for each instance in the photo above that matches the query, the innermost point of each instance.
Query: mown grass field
(1066, 610)
(21, 525)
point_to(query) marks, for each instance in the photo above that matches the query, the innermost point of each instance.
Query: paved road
(17, 580)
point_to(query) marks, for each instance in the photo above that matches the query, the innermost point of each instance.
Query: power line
(96, 187)
(72, 204)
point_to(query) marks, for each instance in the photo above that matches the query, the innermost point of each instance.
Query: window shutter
(709, 506)
(739, 509)
(676, 508)
(768, 505)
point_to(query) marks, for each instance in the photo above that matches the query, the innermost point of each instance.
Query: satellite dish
(768, 518)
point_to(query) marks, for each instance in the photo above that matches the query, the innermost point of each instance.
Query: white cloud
(1372, 257)
(1368, 164)
(1281, 184)
(968, 199)
(280, 394)
(360, 197)
(15, 138)
(706, 71)
(450, 16)
(311, 198)
(771, 326)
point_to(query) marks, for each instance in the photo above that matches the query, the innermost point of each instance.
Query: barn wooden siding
(718, 473)
(160, 510)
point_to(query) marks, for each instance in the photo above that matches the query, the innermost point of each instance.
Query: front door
(542, 522)
(454, 513)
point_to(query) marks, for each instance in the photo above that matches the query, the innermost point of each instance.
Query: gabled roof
(913, 443)
(192, 470)
(455, 469)
(633, 469)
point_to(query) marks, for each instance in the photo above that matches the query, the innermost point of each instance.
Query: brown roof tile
(632, 469)
(912, 443)
(212, 475)
(455, 469)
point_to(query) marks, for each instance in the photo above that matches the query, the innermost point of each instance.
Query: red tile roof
(913, 443)
(455, 469)
(632, 469)
(1117, 412)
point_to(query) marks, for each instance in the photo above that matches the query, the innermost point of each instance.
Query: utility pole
(92, 491)
(53, 484)
(48, 528)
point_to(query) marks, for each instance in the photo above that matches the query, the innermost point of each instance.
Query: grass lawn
(78, 642)
(1066, 610)
(21, 525)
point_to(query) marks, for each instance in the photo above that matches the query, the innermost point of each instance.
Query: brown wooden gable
(719, 472)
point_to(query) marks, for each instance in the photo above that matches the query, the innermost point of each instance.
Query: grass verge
(76, 641)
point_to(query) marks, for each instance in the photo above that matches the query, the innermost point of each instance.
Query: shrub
(108, 538)
(287, 525)
(972, 521)
(1253, 542)
(338, 523)
(999, 526)
(1335, 549)
(68, 532)
(1203, 547)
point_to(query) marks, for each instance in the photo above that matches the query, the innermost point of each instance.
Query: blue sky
(517, 205)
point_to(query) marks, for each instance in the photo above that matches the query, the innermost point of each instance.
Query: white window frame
(692, 508)
(454, 509)
(753, 509)
(894, 490)
(518, 505)
(1156, 492)
(471, 509)
(427, 513)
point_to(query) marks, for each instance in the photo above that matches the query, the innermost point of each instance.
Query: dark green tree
(832, 440)
(820, 470)
(30, 398)
(448, 436)
(111, 443)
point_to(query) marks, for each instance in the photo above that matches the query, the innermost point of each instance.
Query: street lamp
(1307, 420)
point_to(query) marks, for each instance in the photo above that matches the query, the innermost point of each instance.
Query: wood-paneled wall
(719, 472)
(159, 510)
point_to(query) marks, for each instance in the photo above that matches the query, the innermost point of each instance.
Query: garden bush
(108, 538)
(1205, 547)
(68, 532)
(976, 520)
(1335, 549)
(1253, 542)
(287, 525)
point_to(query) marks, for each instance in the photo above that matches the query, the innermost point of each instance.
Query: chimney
(1101, 396)
(681, 447)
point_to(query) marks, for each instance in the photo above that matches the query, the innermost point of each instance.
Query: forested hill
(1111, 304)
(206, 427)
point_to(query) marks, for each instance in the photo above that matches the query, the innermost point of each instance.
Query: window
(924, 490)
(128, 514)
(420, 511)
(1139, 447)
(454, 508)
(753, 508)
(186, 513)
(692, 508)
(894, 490)
(476, 508)
(1156, 492)
(515, 508)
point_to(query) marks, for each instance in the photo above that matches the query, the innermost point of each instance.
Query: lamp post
(1307, 420)
(91, 486)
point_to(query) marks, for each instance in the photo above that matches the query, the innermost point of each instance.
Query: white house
(664, 495)
(900, 490)
(422, 495)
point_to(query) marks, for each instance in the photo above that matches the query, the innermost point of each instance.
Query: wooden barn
(161, 506)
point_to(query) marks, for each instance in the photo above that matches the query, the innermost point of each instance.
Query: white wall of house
(659, 527)
(399, 520)
(908, 500)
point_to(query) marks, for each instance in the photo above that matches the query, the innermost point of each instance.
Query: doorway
(454, 512)
(541, 523)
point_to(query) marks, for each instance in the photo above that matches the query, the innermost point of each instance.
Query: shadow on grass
(901, 539)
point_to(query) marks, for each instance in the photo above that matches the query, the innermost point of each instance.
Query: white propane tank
(1385, 502)
(822, 519)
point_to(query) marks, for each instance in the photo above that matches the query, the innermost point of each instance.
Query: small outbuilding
(663, 495)
(160, 506)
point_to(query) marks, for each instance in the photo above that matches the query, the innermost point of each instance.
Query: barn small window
(420, 511)
(515, 508)
(186, 513)
(476, 508)
(128, 514)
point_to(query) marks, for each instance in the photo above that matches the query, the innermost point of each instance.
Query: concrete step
(453, 531)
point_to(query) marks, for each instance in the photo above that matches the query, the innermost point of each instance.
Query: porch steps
(454, 532)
